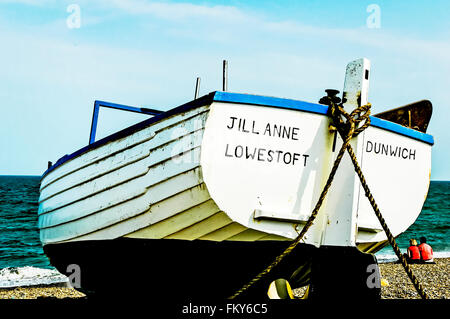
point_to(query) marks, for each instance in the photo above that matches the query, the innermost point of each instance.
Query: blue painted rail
(98, 104)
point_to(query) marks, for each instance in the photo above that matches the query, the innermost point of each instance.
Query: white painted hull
(264, 194)
(136, 187)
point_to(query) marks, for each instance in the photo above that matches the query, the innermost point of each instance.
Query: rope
(389, 235)
(348, 126)
(337, 112)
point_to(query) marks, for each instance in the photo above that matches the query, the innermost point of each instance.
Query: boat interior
(415, 115)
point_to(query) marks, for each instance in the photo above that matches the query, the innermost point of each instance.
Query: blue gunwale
(318, 109)
(240, 98)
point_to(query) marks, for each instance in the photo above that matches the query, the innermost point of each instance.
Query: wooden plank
(225, 232)
(178, 222)
(248, 235)
(126, 218)
(113, 147)
(202, 228)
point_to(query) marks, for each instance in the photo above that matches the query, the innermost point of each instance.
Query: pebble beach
(37, 292)
(435, 278)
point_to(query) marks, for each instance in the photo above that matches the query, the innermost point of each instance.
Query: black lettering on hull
(390, 150)
(265, 155)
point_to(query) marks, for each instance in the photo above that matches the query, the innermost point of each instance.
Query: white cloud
(229, 23)
(221, 23)
(177, 11)
(27, 2)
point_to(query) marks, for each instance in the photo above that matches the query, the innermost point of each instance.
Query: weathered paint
(341, 208)
(121, 179)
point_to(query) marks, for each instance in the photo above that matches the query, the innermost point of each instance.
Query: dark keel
(344, 273)
(175, 268)
(180, 269)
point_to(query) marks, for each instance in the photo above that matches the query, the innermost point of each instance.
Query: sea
(23, 262)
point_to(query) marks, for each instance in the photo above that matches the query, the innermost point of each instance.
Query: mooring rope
(348, 126)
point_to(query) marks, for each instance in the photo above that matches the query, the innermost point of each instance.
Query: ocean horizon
(23, 262)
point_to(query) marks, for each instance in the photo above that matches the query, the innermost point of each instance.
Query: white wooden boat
(210, 192)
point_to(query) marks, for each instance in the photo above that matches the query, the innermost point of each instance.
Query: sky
(58, 57)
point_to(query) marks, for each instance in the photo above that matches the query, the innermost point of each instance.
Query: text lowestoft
(264, 154)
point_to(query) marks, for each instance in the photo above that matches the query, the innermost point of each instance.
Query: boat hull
(194, 201)
(172, 269)
(266, 167)
(205, 174)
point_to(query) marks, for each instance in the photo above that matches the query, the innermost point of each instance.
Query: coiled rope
(348, 126)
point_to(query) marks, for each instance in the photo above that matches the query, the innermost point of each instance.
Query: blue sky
(148, 53)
